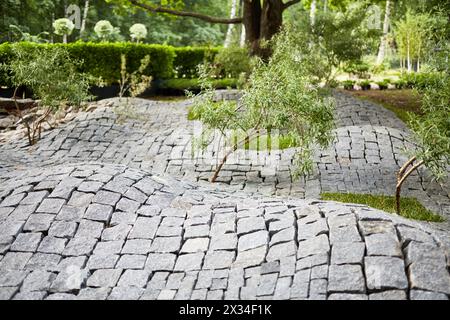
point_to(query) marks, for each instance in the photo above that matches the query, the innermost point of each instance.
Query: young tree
(412, 35)
(51, 75)
(336, 38)
(383, 41)
(432, 129)
(280, 97)
(262, 19)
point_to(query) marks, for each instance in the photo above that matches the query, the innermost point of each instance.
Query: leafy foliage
(188, 59)
(195, 84)
(52, 77)
(231, 62)
(102, 60)
(337, 38)
(50, 74)
(136, 82)
(20, 35)
(432, 130)
(279, 96)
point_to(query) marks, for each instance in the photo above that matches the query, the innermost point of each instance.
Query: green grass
(261, 143)
(400, 113)
(401, 102)
(267, 142)
(411, 208)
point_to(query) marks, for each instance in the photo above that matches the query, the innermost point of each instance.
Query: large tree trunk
(229, 35)
(271, 21)
(261, 19)
(383, 42)
(252, 23)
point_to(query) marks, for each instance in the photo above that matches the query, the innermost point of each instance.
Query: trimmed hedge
(103, 59)
(193, 84)
(188, 58)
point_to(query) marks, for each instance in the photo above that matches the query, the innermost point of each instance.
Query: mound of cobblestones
(106, 207)
(97, 231)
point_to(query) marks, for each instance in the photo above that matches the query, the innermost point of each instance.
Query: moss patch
(411, 207)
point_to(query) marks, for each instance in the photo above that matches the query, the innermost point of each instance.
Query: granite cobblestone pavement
(103, 208)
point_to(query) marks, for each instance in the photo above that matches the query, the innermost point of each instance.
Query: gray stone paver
(103, 226)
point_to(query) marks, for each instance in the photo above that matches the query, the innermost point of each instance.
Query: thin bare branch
(160, 9)
(290, 3)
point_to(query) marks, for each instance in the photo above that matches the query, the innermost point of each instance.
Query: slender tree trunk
(242, 39)
(65, 38)
(408, 57)
(383, 42)
(229, 35)
(325, 6)
(85, 13)
(402, 175)
(312, 12)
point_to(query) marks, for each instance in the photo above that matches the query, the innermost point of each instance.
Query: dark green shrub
(400, 84)
(365, 84)
(358, 68)
(187, 60)
(232, 62)
(348, 84)
(383, 85)
(51, 74)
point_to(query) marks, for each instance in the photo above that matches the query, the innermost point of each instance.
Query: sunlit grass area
(411, 208)
(401, 102)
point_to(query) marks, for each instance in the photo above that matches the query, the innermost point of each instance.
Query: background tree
(279, 96)
(337, 38)
(262, 19)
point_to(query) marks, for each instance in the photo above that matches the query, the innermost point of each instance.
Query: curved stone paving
(106, 227)
(96, 231)
(365, 157)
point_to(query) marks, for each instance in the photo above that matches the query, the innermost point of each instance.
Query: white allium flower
(63, 26)
(103, 28)
(138, 31)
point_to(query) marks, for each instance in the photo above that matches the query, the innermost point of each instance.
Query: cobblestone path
(103, 208)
